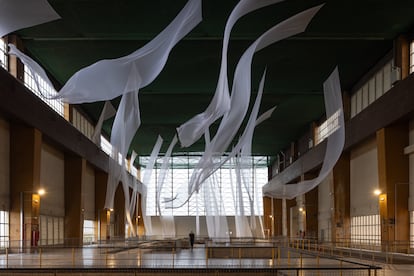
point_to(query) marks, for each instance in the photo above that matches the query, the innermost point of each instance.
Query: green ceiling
(351, 34)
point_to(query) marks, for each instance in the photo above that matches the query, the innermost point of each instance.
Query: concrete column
(74, 174)
(101, 179)
(290, 203)
(277, 217)
(311, 213)
(393, 170)
(119, 213)
(16, 67)
(341, 215)
(25, 151)
(284, 218)
(402, 55)
(267, 215)
(301, 204)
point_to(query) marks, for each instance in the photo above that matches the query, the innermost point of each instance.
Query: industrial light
(41, 192)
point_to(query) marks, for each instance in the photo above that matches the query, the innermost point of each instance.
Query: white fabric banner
(145, 181)
(241, 92)
(335, 144)
(107, 112)
(19, 14)
(193, 129)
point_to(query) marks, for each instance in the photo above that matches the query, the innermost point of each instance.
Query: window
(82, 124)
(51, 230)
(327, 128)
(4, 229)
(88, 231)
(181, 169)
(375, 87)
(366, 230)
(56, 105)
(3, 54)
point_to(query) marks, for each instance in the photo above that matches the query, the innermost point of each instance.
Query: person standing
(191, 235)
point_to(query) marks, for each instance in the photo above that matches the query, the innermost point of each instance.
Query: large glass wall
(179, 175)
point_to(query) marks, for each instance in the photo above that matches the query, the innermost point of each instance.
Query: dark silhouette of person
(191, 235)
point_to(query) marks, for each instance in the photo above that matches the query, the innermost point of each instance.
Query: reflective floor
(111, 257)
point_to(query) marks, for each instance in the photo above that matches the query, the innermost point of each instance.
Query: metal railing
(281, 255)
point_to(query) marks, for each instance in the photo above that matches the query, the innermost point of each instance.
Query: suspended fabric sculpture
(135, 187)
(240, 96)
(108, 111)
(192, 130)
(217, 227)
(243, 172)
(165, 215)
(146, 180)
(127, 120)
(123, 76)
(19, 14)
(335, 143)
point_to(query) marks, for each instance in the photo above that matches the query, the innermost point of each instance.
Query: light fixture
(41, 191)
(377, 192)
(270, 216)
(300, 209)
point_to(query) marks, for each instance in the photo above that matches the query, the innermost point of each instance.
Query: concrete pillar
(341, 215)
(74, 174)
(402, 55)
(290, 203)
(311, 213)
(393, 170)
(284, 218)
(25, 152)
(267, 215)
(16, 67)
(101, 179)
(301, 213)
(277, 217)
(118, 215)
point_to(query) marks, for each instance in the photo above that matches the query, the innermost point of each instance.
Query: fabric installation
(334, 147)
(125, 76)
(193, 129)
(19, 14)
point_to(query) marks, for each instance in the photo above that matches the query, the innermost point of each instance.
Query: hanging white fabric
(19, 14)
(217, 226)
(107, 79)
(190, 131)
(107, 112)
(133, 201)
(165, 214)
(145, 181)
(240, 96)
(335, 143)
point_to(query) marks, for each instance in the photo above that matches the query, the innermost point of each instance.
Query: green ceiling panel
(353, 35)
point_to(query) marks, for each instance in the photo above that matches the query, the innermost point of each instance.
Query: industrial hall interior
(205, 136)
